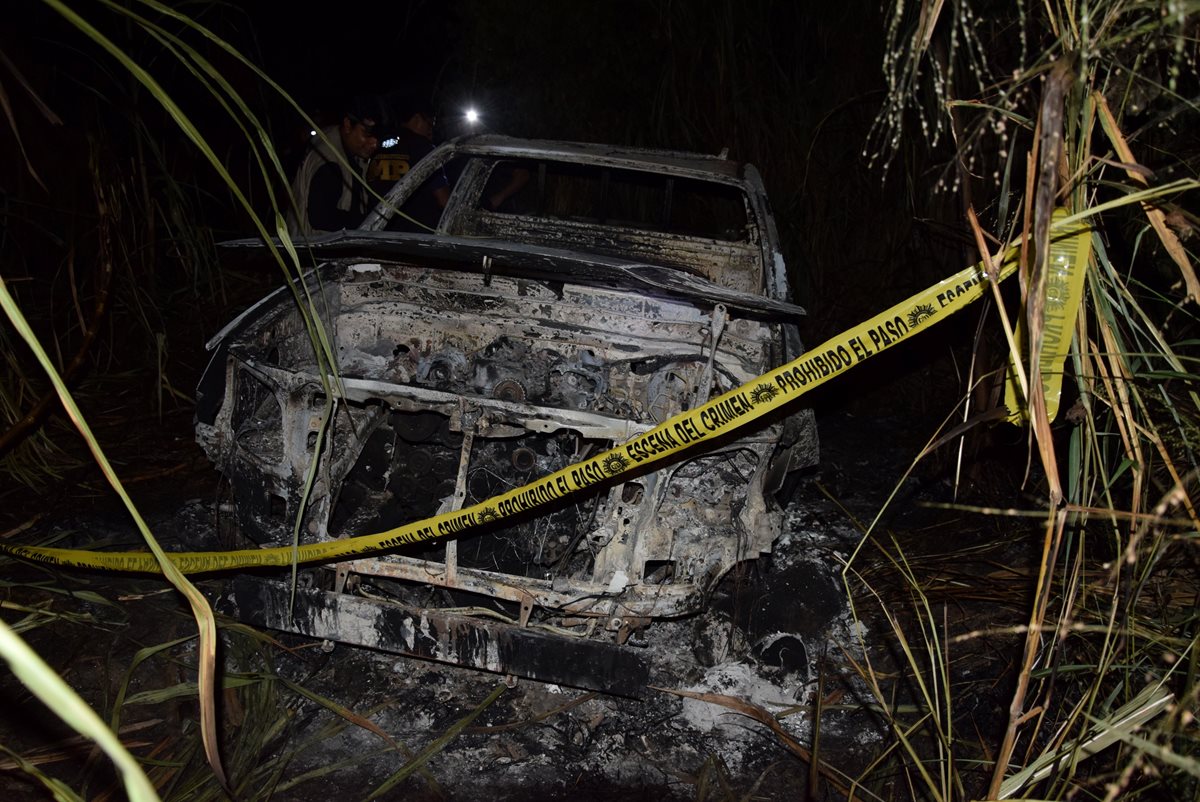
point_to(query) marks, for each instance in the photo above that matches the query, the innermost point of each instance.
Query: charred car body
(609, 290)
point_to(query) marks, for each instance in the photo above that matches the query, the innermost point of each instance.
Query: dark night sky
(319, 56)
(579, 70)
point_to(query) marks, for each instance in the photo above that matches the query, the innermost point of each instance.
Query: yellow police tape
(719, 416)
(1064, 292)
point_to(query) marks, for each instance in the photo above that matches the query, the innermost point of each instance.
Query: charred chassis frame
(468, 367)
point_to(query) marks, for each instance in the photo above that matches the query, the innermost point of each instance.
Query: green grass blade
(44, 683)
(199, 605)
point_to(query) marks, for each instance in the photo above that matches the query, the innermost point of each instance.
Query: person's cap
(403, 105)
(366, 110)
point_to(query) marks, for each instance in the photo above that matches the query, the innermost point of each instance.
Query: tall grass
(130, 211)
(1084, 106)
(106, 245)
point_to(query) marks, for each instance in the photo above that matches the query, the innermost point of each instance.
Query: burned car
(571, 297)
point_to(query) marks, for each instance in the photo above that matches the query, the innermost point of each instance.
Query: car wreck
(610, 289)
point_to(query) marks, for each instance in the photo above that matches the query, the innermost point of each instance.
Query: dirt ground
(779, 636)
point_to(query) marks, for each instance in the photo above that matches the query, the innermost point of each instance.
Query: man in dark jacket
(329, 189)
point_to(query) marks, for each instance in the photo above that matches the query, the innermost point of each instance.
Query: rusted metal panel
(435, 635)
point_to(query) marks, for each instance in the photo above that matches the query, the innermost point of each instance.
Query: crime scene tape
(1065, 270)
(720, 415)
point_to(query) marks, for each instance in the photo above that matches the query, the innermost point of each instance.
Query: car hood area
(522, 260)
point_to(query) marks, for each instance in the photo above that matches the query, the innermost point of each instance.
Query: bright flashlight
(472, 116)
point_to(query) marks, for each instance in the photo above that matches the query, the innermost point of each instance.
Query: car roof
(695, 165)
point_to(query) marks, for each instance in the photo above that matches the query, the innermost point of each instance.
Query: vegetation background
(897, 143)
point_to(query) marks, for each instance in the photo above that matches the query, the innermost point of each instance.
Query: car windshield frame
(487, 157)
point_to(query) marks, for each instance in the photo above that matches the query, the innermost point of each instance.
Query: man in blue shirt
(411, 142)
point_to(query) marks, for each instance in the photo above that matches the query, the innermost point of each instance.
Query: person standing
(330, 190)
(412, 141)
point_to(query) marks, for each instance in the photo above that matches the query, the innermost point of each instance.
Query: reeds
(1104, 682)
(122, 244)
